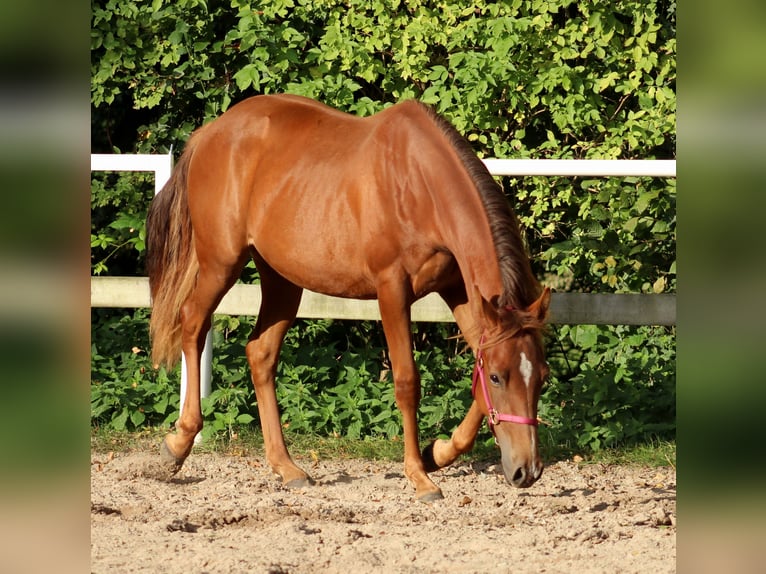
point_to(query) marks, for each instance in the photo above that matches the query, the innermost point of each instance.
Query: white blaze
(526, 369)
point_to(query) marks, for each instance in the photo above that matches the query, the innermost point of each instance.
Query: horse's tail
(171, 262)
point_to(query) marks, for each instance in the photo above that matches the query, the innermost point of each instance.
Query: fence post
(205, 374)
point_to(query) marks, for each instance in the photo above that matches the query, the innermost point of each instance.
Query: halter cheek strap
(493, 417)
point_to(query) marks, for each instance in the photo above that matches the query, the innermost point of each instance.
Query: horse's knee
(441, 453)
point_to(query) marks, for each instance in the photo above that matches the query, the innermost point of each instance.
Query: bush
(126, 392)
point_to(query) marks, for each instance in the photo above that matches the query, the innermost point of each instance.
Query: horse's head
(509, 375)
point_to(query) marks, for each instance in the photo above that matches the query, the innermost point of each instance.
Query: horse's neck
(468, 237)
(462, 218)
(481, 275)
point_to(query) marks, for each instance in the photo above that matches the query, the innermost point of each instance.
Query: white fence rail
(583, 167)
(572, 308)
(160, 164)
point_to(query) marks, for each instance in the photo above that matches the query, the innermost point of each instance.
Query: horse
(389, 207)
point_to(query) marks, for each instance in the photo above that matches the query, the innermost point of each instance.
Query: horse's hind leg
(278, 309)
(213, 281)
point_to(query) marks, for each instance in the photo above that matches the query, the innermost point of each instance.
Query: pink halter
(493, 417)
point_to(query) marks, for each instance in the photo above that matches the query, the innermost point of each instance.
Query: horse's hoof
(429, 464)
(161, 469)
(430, 496)
(169, 462)
(297, 483)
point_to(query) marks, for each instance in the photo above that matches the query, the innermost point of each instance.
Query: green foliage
(126, 393)
(333, 380)
(611, 386)
(119, 203)
(523, 78)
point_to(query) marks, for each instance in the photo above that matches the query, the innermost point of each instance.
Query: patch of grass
(652, 453)
(248, 441)
(103, 440)
(486, 450)
(379, 448)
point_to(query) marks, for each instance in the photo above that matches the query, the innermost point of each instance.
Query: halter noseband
(493, 417)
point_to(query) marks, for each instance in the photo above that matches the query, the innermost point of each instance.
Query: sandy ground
(230, 514)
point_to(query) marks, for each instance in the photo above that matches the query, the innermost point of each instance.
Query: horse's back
(277, 123)
(285, 125)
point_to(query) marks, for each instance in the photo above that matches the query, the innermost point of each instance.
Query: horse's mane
(520, 287)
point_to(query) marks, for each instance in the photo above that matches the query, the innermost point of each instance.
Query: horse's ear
(539, 308)
(482, 309)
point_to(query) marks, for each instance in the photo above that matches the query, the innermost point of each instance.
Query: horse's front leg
(441, 453)
(395, 314)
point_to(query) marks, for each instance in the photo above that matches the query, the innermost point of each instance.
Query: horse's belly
(330, 283)
(319, 267)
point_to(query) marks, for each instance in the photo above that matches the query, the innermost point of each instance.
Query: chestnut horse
(389, 207)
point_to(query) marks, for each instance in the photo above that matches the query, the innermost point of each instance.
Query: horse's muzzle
(523, 476)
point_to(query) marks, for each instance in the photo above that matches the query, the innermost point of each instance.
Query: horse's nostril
(519, 476)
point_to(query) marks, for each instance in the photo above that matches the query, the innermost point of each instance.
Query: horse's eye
(495, 380)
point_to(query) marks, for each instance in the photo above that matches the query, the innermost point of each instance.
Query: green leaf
(430, 96)
(137, 418)
(585, 336)
(161, 405)
(245, 419)
(644, 200)
(246, 77)
(118, 422)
